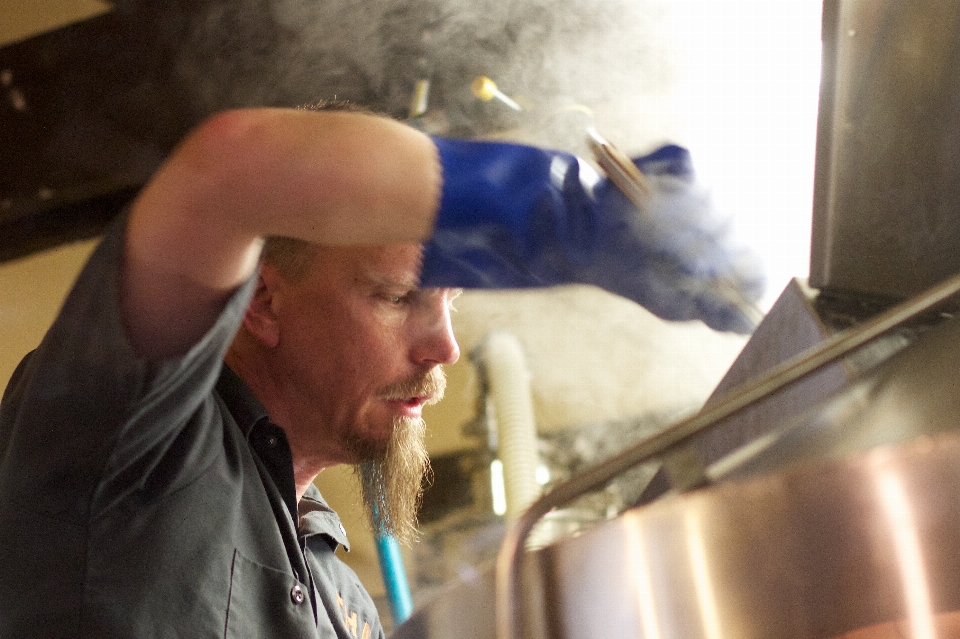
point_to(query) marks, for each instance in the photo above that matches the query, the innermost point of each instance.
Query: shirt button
(296, 595)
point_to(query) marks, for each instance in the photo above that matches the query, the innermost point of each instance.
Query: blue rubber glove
(514, 216)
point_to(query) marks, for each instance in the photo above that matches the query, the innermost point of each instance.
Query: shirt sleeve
(84, 411)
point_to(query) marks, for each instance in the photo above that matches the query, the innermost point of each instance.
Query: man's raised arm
(195, 231)
(496, 216)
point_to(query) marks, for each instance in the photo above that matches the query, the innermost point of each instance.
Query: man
(135, 498)
(383, 341)
(146, 490)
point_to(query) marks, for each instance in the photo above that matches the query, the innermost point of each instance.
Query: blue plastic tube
(394, 578)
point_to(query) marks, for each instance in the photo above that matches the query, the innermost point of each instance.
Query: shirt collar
(244, 406)
(267, 440)
(315, 516)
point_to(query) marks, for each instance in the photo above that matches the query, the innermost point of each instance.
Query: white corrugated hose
(508, 381)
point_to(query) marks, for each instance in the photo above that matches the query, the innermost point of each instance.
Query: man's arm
(194, 233)
(509, 216)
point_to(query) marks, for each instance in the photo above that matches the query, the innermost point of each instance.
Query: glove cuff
(491, 192)
(488, 183)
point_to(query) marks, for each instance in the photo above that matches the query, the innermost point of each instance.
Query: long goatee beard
(392, 476)
(392, 485)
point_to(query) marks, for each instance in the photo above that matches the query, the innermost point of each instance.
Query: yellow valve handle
(483, 88)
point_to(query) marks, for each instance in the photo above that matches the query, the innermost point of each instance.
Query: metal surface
(887, 186)
(777, 378)
(793, 325)
(790, 327)
(916, 395)
(812, 553)
(852, 525)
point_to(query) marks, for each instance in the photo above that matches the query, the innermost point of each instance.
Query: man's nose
(436, 343)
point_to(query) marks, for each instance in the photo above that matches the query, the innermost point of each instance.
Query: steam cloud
(607, 55)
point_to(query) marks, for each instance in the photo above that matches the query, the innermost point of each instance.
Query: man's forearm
(195, 231)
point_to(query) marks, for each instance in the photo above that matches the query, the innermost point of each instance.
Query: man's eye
(400, 296)
(395, 299)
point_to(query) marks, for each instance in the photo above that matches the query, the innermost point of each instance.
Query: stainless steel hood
(887, 184)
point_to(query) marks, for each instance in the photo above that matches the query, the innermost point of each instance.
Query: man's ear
(261, 320)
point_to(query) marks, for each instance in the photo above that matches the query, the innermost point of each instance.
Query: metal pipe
(794, 369)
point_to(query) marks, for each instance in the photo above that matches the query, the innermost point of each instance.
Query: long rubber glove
(515, 216)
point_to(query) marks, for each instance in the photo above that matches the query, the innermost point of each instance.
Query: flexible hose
(508, 380)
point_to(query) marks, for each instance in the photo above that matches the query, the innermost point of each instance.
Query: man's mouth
(424, 398)
(418, 392)
(411, 406)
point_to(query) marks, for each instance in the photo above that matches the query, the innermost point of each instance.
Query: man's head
(344, 350)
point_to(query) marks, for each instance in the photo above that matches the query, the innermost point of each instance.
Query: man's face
(360, 349)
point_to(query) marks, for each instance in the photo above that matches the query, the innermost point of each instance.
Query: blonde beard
(392, 485)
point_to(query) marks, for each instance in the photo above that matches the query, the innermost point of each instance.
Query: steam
(609, 56)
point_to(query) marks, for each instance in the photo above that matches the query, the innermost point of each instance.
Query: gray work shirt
(148, 499)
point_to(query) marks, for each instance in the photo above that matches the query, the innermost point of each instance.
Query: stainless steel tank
(847, 521)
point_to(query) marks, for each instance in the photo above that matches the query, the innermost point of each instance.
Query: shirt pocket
(266, 602)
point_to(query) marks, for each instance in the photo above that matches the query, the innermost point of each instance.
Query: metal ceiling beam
(87, 112)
